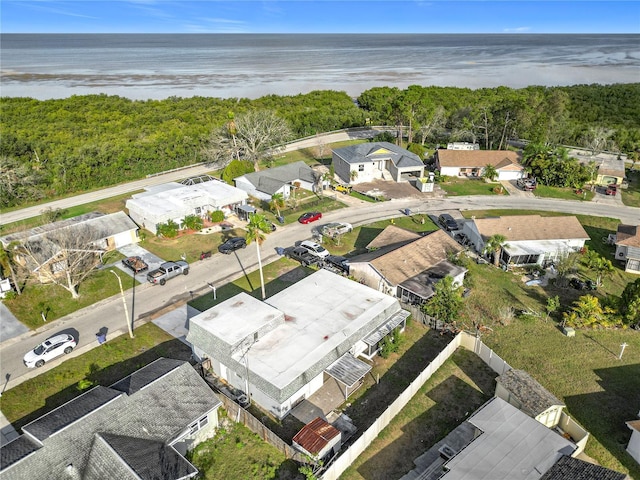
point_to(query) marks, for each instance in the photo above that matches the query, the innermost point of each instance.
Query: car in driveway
(612, 189)
(51, 348)
(310, 217)
(447, 222)
(314, 248)
(233, 244)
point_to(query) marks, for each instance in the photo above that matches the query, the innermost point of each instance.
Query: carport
(349, 372)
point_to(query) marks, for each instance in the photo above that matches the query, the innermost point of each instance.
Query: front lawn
(104, 365)
(564, 193)
(470, 186)
(55, 302)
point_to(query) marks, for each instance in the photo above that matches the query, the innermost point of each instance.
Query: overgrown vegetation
(49, 148)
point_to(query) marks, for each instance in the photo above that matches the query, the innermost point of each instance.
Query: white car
(315, 248)
(51, 348)
(335, 229)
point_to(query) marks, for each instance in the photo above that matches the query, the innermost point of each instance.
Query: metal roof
(387, 328)
(348, 369)
(316, 435)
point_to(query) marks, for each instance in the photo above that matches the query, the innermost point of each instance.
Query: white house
(634, 443)
(471, 163)
(370, 161)
(266, 183)
(174, 201)
(530, 239)
(280, 351)
(627, 242)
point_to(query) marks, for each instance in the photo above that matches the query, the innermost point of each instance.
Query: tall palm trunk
(264, 295)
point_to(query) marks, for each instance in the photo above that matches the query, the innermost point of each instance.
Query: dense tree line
(54, 147)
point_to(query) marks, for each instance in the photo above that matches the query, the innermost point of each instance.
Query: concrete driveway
(135, 250)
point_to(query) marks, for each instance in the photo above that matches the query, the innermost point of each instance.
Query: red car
(612, 189)
(310, 217)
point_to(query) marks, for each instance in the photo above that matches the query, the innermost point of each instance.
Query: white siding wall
(450, 171)
(634, 445)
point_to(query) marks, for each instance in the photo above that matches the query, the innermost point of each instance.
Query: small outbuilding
(318, 439)
(627, 242)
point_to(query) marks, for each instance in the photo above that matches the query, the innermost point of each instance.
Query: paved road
(146, 301)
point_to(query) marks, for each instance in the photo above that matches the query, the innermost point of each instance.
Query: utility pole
(124, 302)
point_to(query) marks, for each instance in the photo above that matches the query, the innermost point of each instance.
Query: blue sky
(319, 16)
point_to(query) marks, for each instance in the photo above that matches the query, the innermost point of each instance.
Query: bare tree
(64, 257)
(259, 133)
(597, 139)
(432, 125)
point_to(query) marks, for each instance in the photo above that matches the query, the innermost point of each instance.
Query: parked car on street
(166, 271)
(334, 229)
(314, 248)
(51, 348)
(310, 217)
(447, 222)
(233, 244)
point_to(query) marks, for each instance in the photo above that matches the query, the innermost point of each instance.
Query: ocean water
(156, 66)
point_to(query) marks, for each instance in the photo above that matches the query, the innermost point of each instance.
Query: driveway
(135, 250)
(392, 190)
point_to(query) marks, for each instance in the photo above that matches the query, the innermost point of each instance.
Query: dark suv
(447, 222)
(231, 245)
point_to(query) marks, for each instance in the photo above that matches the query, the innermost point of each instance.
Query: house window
(361, 167)
(198, 210)
(199, 425)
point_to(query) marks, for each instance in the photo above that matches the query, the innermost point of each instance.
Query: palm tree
(494, 245)
(277, 202)
(601, 266)
(490, 173)
(256, 230)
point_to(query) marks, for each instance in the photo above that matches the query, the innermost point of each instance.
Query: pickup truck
(302, 255)
(135, 263)
(168, 270)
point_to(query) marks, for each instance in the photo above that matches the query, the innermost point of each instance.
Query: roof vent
(446, 452)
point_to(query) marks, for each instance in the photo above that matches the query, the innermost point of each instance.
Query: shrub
(217, 216)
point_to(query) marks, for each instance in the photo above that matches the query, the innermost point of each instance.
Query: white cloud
(516, 30)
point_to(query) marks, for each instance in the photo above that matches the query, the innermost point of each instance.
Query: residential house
(378, 160)
(318, 439)
(610, 171)
(504, 442)
(627, 242)
(571, 468)
(282, 350)
(530, 239)
(174, 201)
(523, 392)
(278, 180)
(633, 448)
(138, 428)
(471, 163)
(46, 247)
(409, 266)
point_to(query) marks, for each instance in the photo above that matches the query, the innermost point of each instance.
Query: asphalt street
(146, 301)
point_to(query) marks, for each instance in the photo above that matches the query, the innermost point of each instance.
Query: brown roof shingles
(531, 227)
(501, 159)
(392, 235)
(416, 257)
(628, 235)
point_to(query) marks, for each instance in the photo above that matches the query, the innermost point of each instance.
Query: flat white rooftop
(319, 313)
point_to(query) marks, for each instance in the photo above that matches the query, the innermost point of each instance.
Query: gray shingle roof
(271, 180)
(150, 459)
(159, 412)
(569, 468)
(371, 152)
(533, 396)
(146, 375)
(16, 450)
(72, 411)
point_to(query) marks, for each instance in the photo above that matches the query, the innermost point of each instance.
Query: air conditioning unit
(446, 452)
